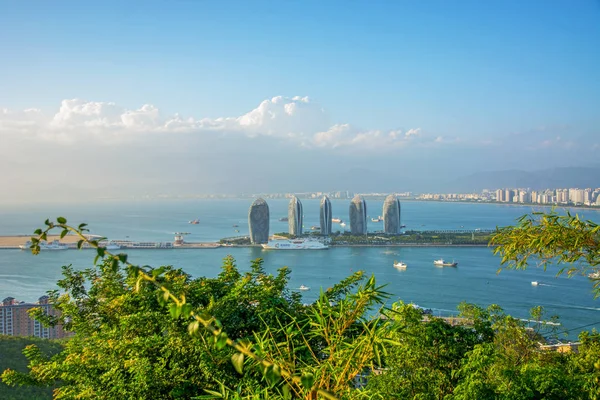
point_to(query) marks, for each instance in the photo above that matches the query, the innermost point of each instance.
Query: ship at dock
(294, 244)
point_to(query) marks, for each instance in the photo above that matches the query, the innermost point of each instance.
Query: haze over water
(27, 277)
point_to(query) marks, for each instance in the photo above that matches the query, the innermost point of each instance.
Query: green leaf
(63, 233)
(238, 362)
(80, 243)
(175, 310)
(221, 341)
(307, 380)
(37, 232)
(61, 220)
(193, 327)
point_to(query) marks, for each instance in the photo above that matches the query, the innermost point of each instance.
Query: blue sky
(462, 72)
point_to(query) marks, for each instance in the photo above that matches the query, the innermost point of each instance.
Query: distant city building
(295, 217)
(258, 221)
(391, 215)
(358, 216)
(15, 319)
(325, 216)
(499, 195)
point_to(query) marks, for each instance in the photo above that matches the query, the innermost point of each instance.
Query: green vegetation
(237, 241)
(421, 238)
(143, 332)
(568, 241)
(12, 357)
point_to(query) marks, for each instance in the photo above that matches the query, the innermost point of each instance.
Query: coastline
(13, 242)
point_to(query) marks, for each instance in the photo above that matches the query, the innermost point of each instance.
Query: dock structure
(70, 242)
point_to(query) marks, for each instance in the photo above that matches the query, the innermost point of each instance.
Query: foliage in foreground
(11, 356)
(566, 240)
(157, 333)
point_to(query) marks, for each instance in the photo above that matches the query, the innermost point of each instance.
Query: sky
(112, 98)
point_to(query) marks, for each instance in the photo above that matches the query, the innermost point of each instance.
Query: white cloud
(294, 119)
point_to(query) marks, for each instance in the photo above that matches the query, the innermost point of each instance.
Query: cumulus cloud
(298, 120)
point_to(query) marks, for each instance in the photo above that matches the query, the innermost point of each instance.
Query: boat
(399, 265)
(55, 245)
(378, 219)
(342, 224)
(594, 275)
(337, 220)
(194, 221)
(284, 219)
(442, 263)
(294, 244)
(303, 288)
(534, 283)
(235, 225)
(315, 228)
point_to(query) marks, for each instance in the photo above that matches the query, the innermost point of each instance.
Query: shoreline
(14, 241)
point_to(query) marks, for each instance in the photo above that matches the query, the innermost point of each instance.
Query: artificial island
(297, 238)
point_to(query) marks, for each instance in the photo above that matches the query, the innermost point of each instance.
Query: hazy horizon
(131, 99)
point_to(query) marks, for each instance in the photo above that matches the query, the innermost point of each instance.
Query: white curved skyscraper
(358, 216)
(295, 217)
(258, 221)
(391, 215)
(325, 216)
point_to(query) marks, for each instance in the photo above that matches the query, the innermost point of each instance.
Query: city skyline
(174, 99)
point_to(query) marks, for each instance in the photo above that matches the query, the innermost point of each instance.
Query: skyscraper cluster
(258, 217)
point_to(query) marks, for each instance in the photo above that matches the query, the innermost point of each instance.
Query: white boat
(594, 275)
(342, 224)
(55, 245)
(534, 283)
(442, 263)
(303, 288)
(399, 265)
(336, 220)
(294, 244)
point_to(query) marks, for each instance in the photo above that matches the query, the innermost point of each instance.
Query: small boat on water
(336, 220)
(399, 265)
(315, 228)
(284, 219)
(378, 219)
(534, 283)
(442, 263)
(194, 221)
(594, 275)
(342, 224)
(235, 225)
(303, 288)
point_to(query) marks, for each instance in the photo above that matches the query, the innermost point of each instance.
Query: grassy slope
(11, 356)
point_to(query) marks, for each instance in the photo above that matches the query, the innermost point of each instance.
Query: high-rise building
(325, 216)
(15, 319)
(358, 216)
(295, 217)
(391, 215)
(258, 221)
(499, 195)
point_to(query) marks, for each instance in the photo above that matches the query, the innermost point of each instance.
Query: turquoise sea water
(27, 277)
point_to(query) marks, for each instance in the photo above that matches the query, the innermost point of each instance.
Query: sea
(476, 279)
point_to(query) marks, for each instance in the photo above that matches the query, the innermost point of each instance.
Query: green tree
(548, 238)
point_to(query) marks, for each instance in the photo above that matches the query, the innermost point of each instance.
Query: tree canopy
(567, 240)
